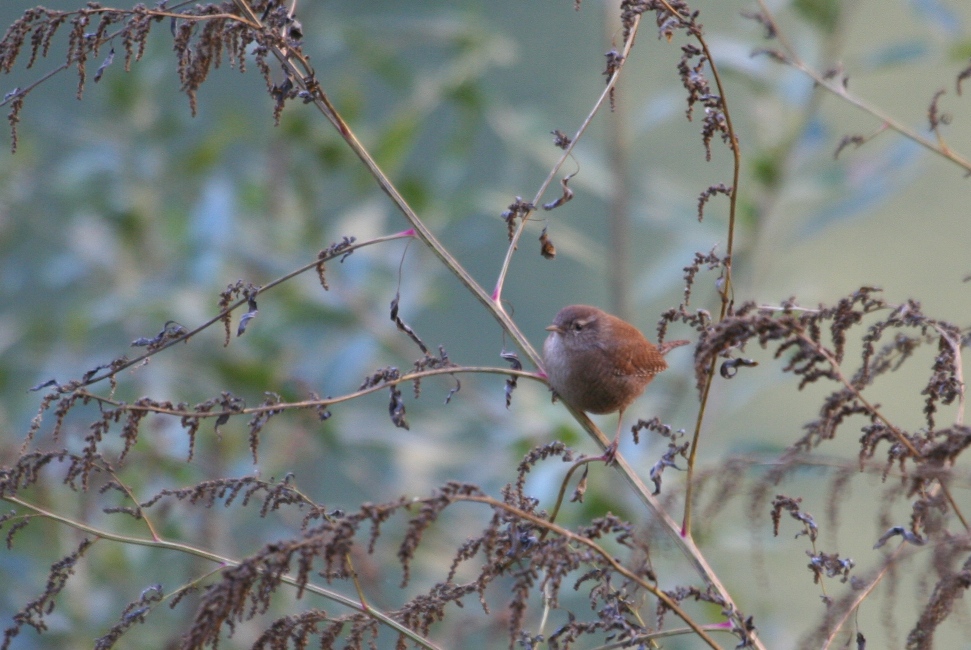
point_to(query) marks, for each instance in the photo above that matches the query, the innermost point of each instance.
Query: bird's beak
(554, 328)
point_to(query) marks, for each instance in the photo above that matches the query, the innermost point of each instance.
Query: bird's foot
(609, 456)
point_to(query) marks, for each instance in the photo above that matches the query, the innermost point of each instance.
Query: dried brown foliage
(205, 35)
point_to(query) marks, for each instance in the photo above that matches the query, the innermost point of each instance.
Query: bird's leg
(610, 452)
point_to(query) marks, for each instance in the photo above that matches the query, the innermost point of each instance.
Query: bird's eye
(577, 326)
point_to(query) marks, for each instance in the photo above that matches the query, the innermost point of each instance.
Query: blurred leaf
(466, 95)
(129, 224)
(332, 154)
(765, 168)
(396, 141)
(897, 54)
(938, 14)
(245, 374)
(960, 50)
(124, 90)
(597, 500)
(864, 183)
(209, 151)
(382, 60)
(416, 191)
(296, 125)
(824, 14)
(747, 212)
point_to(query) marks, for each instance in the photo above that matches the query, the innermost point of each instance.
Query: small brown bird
(600, 363)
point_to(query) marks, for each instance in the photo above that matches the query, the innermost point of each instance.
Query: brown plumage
(600, 363)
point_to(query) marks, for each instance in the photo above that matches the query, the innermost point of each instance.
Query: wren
(599, 363)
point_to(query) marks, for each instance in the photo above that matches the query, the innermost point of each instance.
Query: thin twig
(727, 288)
(141, 513)
(861, 596)
(310, 403)
(565, 483)
(517, 235)
(837, 88)
(242, 301)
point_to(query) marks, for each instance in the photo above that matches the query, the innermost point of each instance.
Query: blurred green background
(122, 211)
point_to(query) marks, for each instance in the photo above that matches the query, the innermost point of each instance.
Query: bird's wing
(633, 354)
